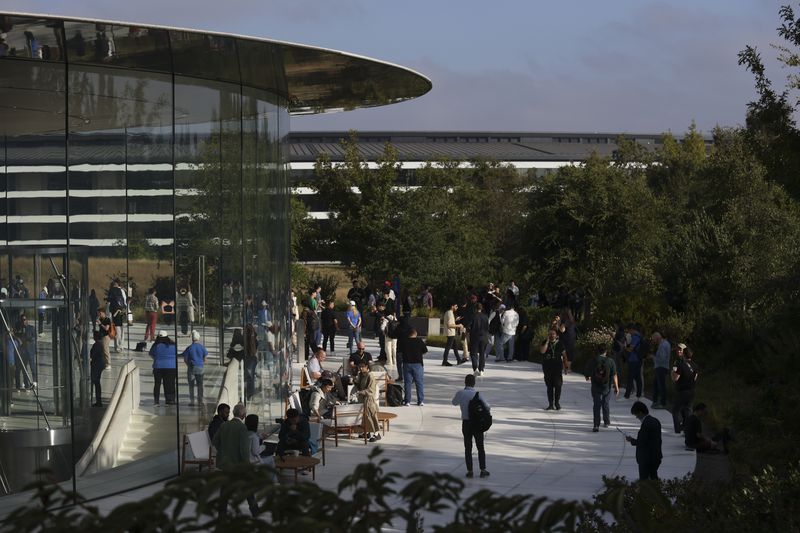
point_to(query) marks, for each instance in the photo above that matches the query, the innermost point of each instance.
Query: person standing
(684, 374)
(151, 314)
(392, 329)
(97, 364)
(661, 369)
(366, 387)
(184, 304)
(451, 328)
(468, 429)
(104, 328)
(634, 360)
(118, 309)
(329, 326)
(478, 335)
(232, 442)
(165, 367)
(602, 372)
(354, 326)
(554, 362)
(413, 351)
(508, 332)
(195, 358)
(647, 442)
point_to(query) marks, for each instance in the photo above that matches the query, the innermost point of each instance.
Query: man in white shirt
(509, 322)
(462, 399)
(451, 329)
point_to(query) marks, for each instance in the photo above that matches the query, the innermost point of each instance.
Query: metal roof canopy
(314, 80)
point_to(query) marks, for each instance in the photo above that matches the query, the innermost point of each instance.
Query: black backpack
(392, 329)
(600, 374)
(494, 325)
(480, 417)
(394, 395)
(305, 401)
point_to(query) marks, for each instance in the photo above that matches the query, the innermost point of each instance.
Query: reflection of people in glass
(150, 314)
(94, 305)
(25, 335)
(236, 300)
(118, 309)
(195, 357)
(104, 329)
(227, 297)
(97, 365)
(185, 306)
(250, 360)
(165, 367)
(42, 296)
(168, 311)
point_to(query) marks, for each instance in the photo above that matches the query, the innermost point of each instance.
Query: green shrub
(436, 340)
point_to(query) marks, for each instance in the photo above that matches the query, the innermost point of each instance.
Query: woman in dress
(365, 385)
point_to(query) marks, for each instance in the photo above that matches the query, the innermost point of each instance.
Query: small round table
(385, 418)
(297, 463)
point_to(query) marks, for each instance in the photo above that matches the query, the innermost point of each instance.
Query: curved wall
(153, 157)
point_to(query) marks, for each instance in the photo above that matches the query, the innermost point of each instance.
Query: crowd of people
(491, 321)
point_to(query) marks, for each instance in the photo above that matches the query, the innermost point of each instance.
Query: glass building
(153, 160)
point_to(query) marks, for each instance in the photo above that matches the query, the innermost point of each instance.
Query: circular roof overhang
(311, 79)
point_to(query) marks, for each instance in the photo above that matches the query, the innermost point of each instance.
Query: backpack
(305, 401)
(600, 374)
(394, 395)
(494, 325)
(479, 415)
(392, 329)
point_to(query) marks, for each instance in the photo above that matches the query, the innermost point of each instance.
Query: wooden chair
(346, 419)
(199, 445)
(318, 434)
(305, 377)
(382, 381)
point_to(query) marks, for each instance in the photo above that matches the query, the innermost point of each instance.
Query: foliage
(327, 283)
(373, 499)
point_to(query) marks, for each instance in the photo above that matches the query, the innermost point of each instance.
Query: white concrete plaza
(529, 450)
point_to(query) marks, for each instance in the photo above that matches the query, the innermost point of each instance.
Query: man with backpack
(602, 372)
(475, 420)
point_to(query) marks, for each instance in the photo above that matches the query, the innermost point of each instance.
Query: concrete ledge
(101, 454)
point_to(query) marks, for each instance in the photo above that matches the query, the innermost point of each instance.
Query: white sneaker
(480, 373)
(476, 373)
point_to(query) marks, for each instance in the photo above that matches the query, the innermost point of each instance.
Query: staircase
(147, 435)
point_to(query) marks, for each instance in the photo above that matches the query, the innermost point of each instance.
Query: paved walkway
(529, 450)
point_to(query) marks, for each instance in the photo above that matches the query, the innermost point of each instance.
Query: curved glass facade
(151, 159)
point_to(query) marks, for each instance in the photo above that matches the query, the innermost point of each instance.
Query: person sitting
(258, 455)
(223, 413)
(693, 432)
(358, 357)
(322, 400)
(314, 364)
(294, 434)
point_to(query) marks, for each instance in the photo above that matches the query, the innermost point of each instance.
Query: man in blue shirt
(195, 357)
(661, 364)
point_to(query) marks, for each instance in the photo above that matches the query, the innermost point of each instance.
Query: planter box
(426, 326)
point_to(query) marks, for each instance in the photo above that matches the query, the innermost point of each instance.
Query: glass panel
(122, 46)
(121, 223)
(205, 56)
(29, 38)
(208, 228)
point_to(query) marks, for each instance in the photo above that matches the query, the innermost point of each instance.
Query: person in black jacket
(478, 337)
(647, 442)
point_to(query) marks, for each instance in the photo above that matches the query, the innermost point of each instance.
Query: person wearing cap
(353, 325)
(195, 357)
(184, 304)
(684, 374)
(165, 367)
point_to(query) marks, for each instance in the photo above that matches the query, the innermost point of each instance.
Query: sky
(635, 66)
